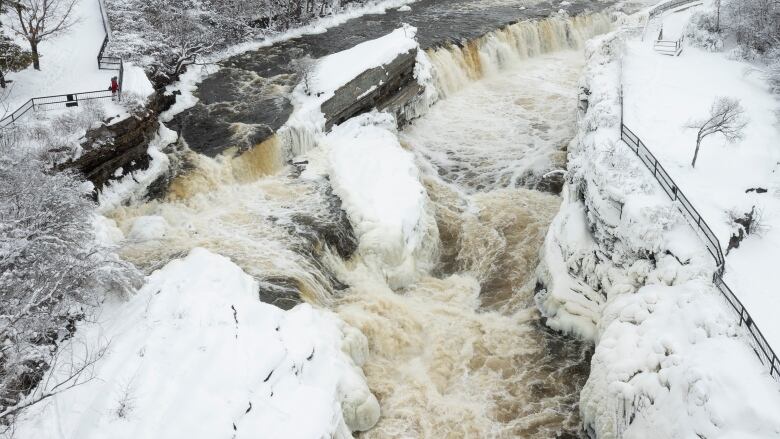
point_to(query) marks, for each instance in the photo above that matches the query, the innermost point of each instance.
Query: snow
(662, 94)
(69, 65)
(670, 359)
(674, 352)
(195, 354)
(379, 186)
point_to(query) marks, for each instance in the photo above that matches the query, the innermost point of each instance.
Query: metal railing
(660, 9)
(73, 99)
(669, 47)
(759, 343)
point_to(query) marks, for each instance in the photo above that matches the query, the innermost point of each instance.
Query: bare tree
(53, 273)
(68, 368)
(183, 36)
(727, 117)
(40, 20)
(304, 68)
(717, 15)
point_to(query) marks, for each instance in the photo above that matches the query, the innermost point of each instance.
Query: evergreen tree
(12, 58)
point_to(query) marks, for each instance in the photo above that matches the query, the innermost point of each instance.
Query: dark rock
(551, 182)
(745, 226)
(281, 292)
(758, 190)
(387, 87)
(119, 145)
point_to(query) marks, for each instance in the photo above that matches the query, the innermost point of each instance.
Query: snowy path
(672, 92)
(69, 65)
(68, 62)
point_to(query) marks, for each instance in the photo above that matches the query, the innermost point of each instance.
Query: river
(463, 352)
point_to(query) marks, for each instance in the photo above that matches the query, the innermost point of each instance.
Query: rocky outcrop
(116, 147)
(389, 87)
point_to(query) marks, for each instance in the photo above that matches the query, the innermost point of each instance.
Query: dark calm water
(246, 100)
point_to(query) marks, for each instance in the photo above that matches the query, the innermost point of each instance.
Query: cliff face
(621, 267)
(121, 146)
(116, 146)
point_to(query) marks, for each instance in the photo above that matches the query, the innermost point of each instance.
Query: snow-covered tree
(39, 20)
(52, 269)
(755, 23)
(12, 58)
(169, 34)
(726, 117)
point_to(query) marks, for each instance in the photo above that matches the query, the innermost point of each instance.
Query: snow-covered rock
(380, 189)
(195, 354)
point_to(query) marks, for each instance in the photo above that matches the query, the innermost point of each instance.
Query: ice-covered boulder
(380, 189)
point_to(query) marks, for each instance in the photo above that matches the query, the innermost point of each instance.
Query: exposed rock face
(389, 87)
(120, 145)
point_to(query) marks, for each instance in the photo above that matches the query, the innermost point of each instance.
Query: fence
(758, 342)
(760, 345)
(660, 9)
(73, 99)
(669, 47)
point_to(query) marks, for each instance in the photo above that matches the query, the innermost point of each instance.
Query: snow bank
(672, 360)
(621, 266)
(195, 354)
(662, 94)
(380, 189)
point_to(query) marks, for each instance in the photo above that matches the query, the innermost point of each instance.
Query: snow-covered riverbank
(622, 267)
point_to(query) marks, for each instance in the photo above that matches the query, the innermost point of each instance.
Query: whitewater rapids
(458, 349)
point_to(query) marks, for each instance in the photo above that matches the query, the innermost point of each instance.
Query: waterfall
(456, 350)
(455, 66)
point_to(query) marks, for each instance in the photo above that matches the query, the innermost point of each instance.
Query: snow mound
(380, 189)
(404, 8)
(195, 354)
(693, 370)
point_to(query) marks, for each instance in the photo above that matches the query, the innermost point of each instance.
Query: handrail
(669, 47)
(72, 99)
(660, 9)
(761, 346)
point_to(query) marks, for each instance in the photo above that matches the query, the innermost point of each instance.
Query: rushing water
(462, 352)
(251, 89)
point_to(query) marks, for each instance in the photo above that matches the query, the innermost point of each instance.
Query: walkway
(676, 90)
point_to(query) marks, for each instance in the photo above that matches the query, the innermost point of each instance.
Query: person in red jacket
(114, 88)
